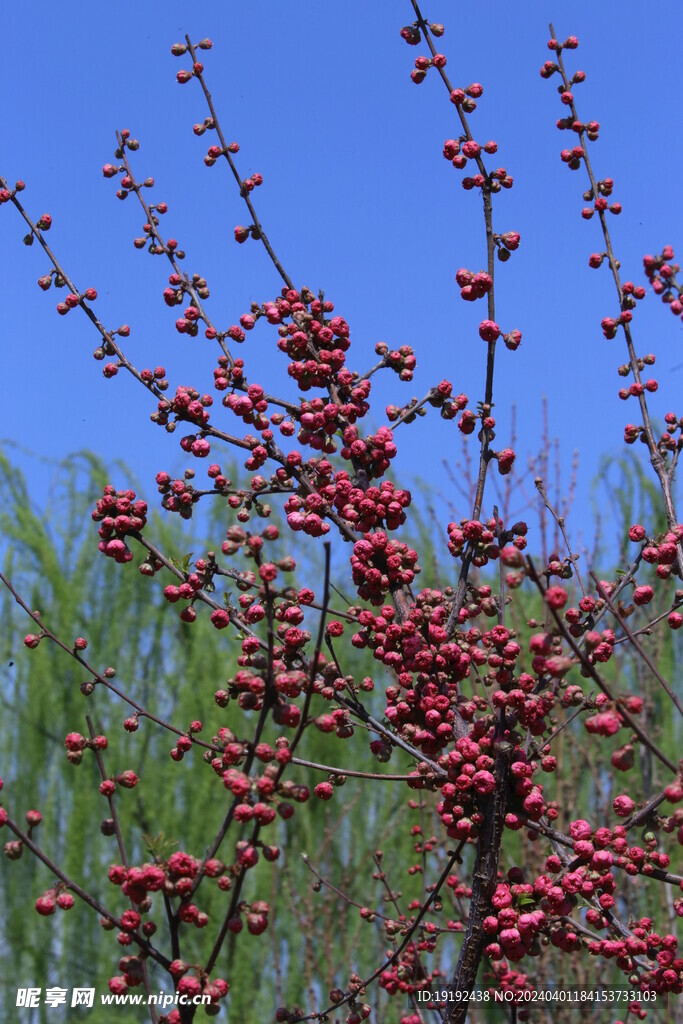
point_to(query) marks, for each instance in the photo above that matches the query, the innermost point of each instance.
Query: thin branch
(75, 888)
(231, 163)
(634, 642)
(452, 859)
(590, 669)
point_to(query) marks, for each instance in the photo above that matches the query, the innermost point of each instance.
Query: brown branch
(656, 458)
(452, 859)
(156, 235)
(240, 183)
(75, 888)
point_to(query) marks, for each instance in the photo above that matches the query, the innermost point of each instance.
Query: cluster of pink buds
(363, 509)
(631, 294)
(251, 407)
(176, 877)
(473, 286)
(72, 300)
(45, 282)
(178, 495)
(173, 296)
(514, 930)
(319, 421)
(186, 405)
(75, 744)
(661, 552)
(402, 360)
(324, 342)
(178, 49)
(643, 941)
(137, 882)
(119, 515)
(256, 916)
(412, 34)
(423, 64)
(251, 545)
(668, 440)
(459, 151)
(406, 975)
(661, 272)
(188, 322)
(226, 373)
(214, 152)
(373, 453)
(316, 344)
(51, 899)
(418, 644)
(482, 536)
(441, 398)
(600, 204)
(378, 564)
(470, 779)
(187, 591)
(493, 180)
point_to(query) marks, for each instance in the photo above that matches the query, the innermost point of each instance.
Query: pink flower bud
(623, 806)
(489, 330)
(220, 618)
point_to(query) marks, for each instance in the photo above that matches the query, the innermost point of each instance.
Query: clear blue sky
(357, 200)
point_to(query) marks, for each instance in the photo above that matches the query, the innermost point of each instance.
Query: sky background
(357, 200)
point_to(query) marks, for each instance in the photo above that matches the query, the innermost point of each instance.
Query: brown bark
(484, 882)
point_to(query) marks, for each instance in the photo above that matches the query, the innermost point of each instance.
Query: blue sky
(357, 200)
